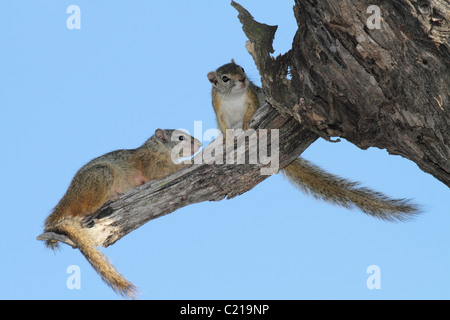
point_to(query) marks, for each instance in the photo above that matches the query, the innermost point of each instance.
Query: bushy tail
(100, 262)
(336, 190)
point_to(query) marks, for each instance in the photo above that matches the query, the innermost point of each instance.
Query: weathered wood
(55, 236)
(386, 88)
(200, 182)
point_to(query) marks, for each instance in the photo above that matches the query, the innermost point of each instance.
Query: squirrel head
(229, 78)
(178, 140)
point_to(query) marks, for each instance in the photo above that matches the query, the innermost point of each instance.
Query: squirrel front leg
(252, 104)
(248, 116)
(221, 122)
(162, 173)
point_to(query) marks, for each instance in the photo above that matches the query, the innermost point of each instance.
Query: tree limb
(198, 183)
(386, 88)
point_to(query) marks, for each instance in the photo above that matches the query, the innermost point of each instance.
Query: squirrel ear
(212, 78)
(160, 134)
(232, 61)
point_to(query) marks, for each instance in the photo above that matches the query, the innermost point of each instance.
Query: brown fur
(303, 174)
(219, 114)
(336, 190)
(100, 181)
(252, 106)
(99, 262)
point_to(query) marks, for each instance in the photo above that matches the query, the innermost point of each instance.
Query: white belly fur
(234, 107)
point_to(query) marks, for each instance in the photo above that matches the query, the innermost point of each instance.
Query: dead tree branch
(198, 183)
(386, 87)
(382, 85)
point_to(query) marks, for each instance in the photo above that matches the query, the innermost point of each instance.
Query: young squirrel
(235, 100)
(101, 180)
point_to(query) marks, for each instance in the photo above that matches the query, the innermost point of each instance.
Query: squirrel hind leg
(95, 187)
(88, 192)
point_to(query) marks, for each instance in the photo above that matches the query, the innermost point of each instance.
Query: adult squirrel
(235, 100)
(101, 180)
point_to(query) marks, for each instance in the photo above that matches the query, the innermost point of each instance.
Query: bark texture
(386, 88)
(200, 182)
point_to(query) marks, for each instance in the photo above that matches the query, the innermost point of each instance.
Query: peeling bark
(200, 182)
(386, 88)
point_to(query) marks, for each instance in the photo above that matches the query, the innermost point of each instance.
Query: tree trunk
(381, 83)
(385, 88)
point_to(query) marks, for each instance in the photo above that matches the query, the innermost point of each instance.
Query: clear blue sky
(67, 96)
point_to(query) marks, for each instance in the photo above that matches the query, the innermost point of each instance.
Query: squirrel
(102, 180)
(235, 100)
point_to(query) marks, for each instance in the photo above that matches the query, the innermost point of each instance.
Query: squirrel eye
(243, 70)
(181, 138)
(225, 78)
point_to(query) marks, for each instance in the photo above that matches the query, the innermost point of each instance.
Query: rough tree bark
(200, 182)
(385, 88)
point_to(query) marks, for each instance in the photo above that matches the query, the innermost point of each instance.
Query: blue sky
(67, 96)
